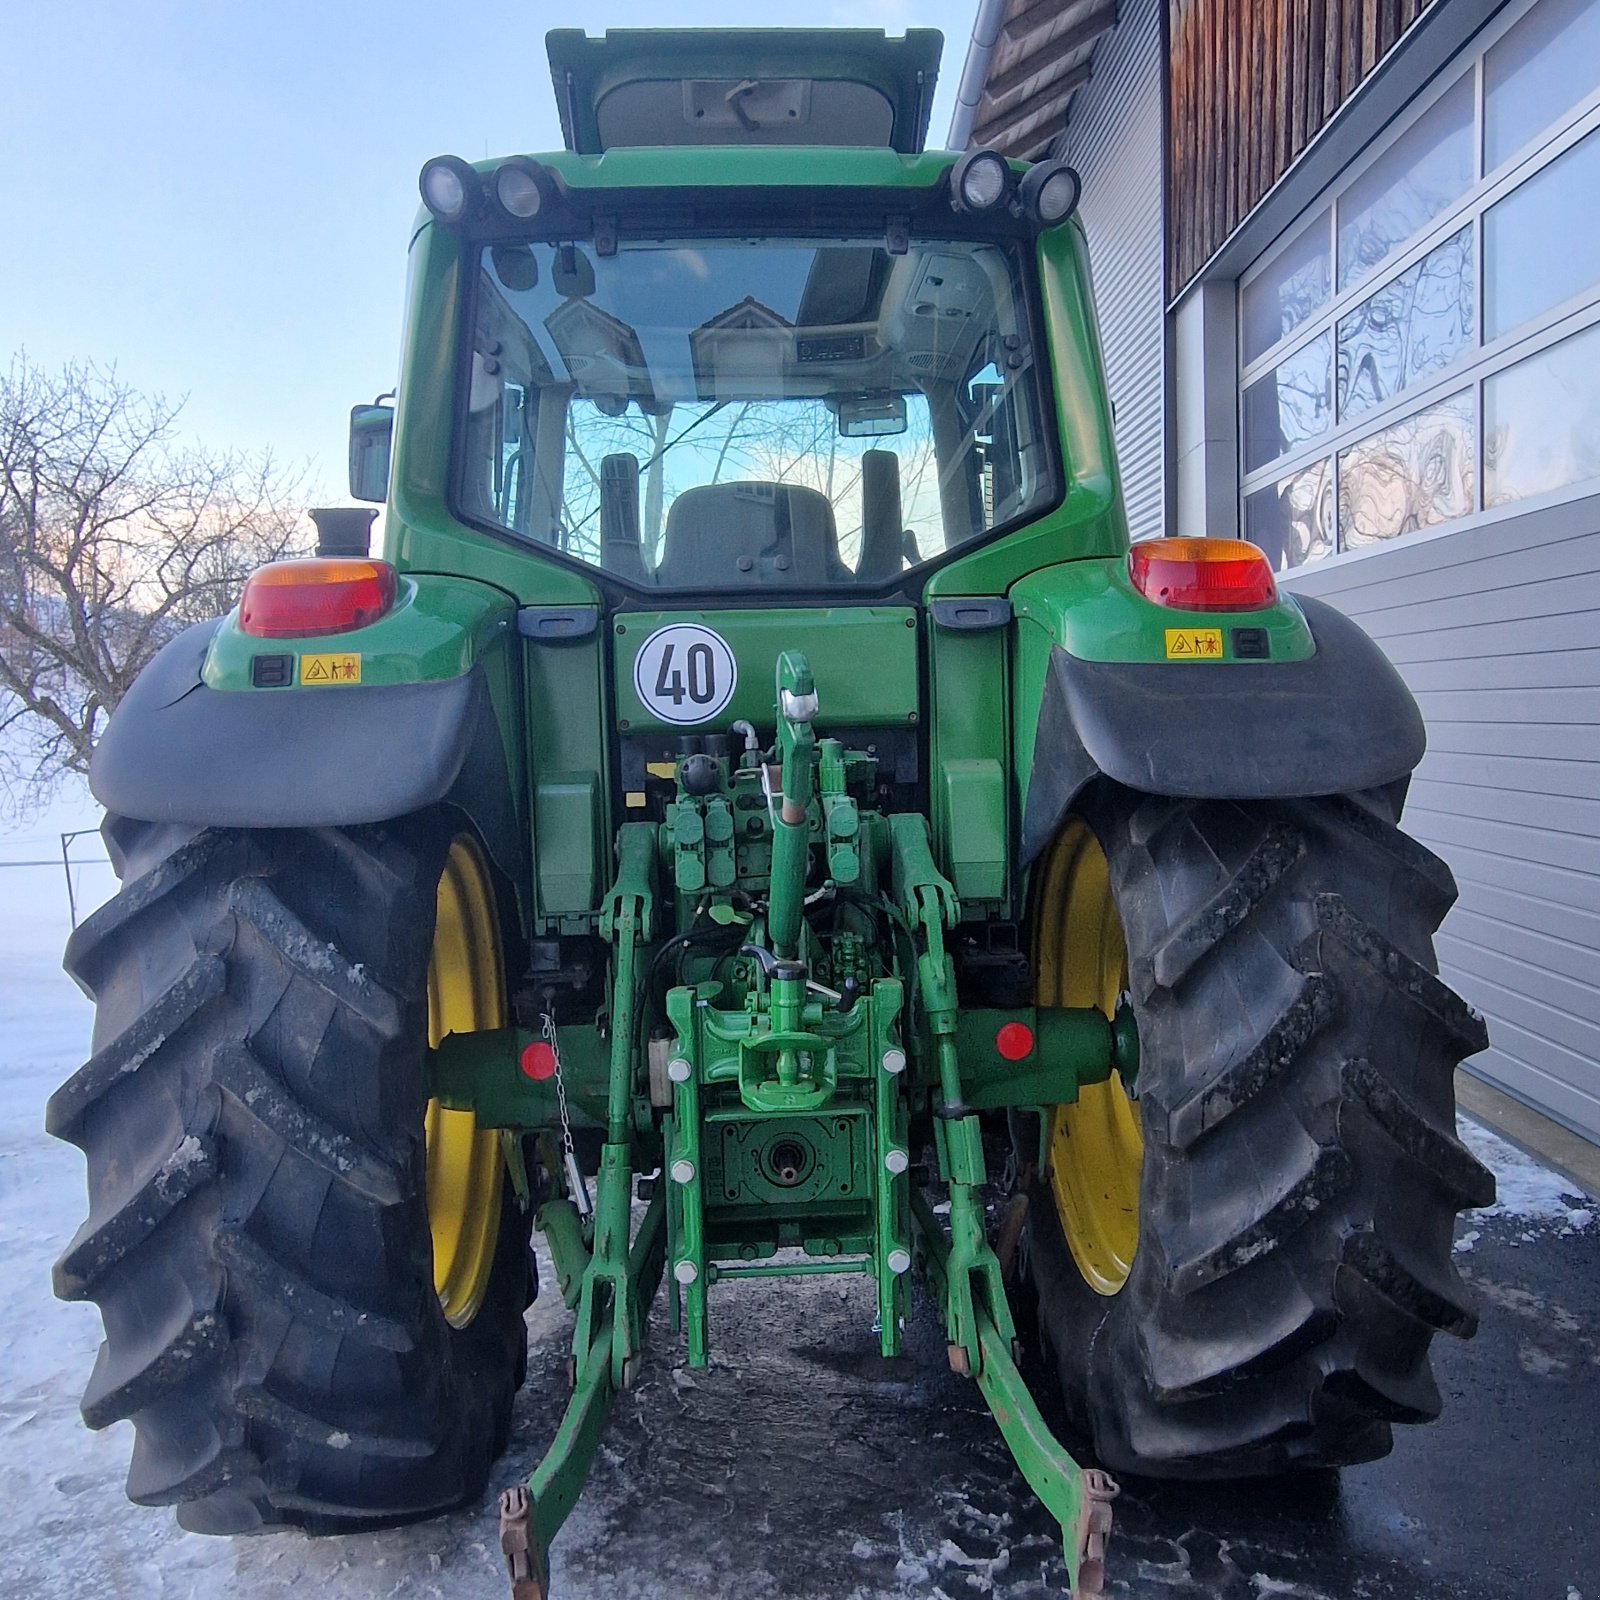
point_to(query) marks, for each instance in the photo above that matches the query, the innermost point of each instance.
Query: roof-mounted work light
(522, 188)
(450, 189)
(1049, 193)
(979, 181)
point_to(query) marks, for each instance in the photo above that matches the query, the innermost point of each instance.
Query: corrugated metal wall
(1497, 630)
(1114, 140)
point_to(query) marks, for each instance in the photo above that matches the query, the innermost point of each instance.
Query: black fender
(177, 750)
(1340, 721)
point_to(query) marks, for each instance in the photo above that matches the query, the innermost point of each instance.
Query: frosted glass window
(1415, 473)
(1288, 405)
(1421, 174)
(1294, 285)
(1534, 76)
(1541, 421)
(1292, 519)
(1416, 324)
(1541, 244)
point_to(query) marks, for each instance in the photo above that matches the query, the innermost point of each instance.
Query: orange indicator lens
(1203, 574)
(301, 599)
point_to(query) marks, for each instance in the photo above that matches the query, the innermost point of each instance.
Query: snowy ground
(799, 1466)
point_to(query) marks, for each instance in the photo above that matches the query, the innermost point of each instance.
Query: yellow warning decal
(1194, 644)
(343, 668)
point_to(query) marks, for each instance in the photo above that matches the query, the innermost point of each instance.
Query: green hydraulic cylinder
(791, 826)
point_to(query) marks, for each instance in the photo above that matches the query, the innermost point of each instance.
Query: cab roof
(658, 87)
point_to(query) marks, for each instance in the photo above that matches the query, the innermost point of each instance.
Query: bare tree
(114, 536)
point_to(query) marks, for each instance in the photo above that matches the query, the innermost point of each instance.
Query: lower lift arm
(623, 1271)
(963, 1272)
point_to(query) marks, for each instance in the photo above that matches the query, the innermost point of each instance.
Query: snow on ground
(1528, 1192)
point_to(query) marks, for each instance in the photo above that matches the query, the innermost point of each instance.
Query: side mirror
(371, 435)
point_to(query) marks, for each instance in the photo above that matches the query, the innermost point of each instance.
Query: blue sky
(215, 194)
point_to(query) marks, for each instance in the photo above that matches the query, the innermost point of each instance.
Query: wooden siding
(1495, 629)
(1250, 82)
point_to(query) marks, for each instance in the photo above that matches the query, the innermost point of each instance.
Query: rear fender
(1325, 713)
(423, 711)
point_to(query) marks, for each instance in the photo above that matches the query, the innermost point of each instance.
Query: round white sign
(684, 673)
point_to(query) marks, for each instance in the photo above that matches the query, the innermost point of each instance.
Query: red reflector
(322, 594)
(1014, 1041)
(1203, 574)
(538, 1061)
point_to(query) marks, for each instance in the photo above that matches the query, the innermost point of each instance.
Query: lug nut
(897, 1161)
(899, 1261)
(687, 1272)
(682, 1171)
(679, 1070)
(894, 1061)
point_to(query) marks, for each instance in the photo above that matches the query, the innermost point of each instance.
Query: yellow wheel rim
(466, 992)
(1095, 1148)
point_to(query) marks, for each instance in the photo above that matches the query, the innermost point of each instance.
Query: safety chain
(569, 1154)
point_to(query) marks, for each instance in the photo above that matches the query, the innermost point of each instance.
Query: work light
(520, 188)
(448, 188)
(979, 180)
(1049, 193)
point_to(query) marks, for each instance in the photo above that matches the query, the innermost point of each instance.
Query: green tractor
(759, 819)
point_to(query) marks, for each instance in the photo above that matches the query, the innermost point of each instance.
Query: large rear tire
(297, 1334)
(1242, 1271)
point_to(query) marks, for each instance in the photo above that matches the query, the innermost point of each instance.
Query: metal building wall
(1114, 140)
(1497, 631)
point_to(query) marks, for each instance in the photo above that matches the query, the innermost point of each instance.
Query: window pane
(1538, 73)
(1416, 473)
(1288, 290)
(1414, 325)
(1289, 405)
(1541, 421)
(1292, 520)
(1426, 170)
(1541, 244)
(712, 412)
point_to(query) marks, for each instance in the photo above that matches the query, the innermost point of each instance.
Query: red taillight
(300, 599)
(1203, 574)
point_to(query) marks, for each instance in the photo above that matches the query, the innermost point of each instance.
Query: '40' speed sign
(684, 673)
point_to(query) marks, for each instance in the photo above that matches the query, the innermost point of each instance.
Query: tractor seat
(760, 535)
